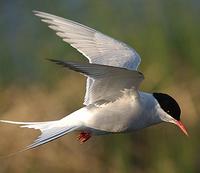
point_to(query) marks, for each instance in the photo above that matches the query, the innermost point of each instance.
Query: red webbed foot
(83, 137)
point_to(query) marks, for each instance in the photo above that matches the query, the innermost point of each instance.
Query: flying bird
(113, 102)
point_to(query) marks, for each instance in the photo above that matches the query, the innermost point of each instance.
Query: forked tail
(50, 130)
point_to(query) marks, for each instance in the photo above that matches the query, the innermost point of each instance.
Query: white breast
(120, 116)
(124, 115)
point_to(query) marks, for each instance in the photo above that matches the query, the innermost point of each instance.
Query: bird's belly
(116, 119)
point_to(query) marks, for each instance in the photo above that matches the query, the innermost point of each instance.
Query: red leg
(83, 137)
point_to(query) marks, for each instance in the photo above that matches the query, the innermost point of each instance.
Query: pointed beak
(182, 127)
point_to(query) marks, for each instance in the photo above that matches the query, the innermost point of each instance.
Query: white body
(113, 102)
(126, 114)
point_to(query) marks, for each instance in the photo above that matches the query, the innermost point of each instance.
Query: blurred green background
(164, 33)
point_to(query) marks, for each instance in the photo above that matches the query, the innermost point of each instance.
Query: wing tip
(51, 60)
(36, 12)
(58, 62)
(41, 14)
(141, 74)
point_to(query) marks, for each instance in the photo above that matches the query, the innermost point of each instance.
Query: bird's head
(169, 110)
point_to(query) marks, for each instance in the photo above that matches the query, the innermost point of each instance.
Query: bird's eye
(168, 111)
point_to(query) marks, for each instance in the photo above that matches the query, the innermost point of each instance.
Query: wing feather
(109, 80)
(97, 47)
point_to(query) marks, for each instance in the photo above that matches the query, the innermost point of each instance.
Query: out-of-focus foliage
(164, 33)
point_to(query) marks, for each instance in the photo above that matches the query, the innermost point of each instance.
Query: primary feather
(97, 47)
(109, 81)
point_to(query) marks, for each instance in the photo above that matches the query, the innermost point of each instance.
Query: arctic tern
(113, 102)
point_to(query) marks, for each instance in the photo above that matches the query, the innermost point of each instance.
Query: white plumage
(113, 103)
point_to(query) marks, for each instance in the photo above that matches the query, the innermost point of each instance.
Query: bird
(113, 102)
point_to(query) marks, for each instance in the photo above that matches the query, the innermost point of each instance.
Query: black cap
(168, 104)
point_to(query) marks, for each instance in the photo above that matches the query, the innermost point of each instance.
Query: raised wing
(97, 47)
(109, 80)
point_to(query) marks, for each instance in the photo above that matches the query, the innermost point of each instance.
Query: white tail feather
(34, 125)
(50, 130)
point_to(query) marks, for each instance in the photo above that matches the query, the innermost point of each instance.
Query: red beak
(182, 127)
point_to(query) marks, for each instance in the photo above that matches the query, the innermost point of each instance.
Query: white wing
(97, 47)
(109, 80)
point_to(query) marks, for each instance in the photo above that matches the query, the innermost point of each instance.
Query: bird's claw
(83, 137)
